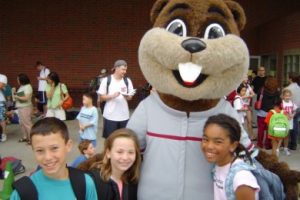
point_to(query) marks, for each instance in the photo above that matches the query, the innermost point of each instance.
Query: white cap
(3, 79)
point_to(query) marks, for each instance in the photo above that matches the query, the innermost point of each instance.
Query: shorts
(110, 126)
(58, 113)
(2, 112)
(42, 97)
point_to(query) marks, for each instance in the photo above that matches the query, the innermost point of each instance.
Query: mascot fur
(193, 57)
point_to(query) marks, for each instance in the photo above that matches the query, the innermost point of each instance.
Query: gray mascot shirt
(174, 167)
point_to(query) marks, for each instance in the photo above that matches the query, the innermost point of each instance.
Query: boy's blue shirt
(49, 189)
(88, 116)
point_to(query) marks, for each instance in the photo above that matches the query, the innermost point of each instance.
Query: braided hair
(234, 133)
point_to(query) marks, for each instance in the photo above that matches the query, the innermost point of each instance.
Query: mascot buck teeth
(193, 57)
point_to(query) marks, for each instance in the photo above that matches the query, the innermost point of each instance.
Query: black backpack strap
(78, 183)
(108, 83)
(26, 188)
(126, 82)
(101, 187)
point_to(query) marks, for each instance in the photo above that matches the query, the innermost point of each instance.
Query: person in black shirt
(259, 81)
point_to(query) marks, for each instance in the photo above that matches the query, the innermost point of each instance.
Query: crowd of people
(260, 97)
(115, 173)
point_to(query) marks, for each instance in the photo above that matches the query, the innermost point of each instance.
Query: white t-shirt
(289, 108)
(248, 93)
(116, 109)
(295, 89)
(242, 177)
(43, 83)
(238, 104)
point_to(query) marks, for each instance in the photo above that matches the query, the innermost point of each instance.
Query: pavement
(24, 152)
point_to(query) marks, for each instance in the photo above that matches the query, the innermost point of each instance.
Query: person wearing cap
(116, 90)
(42, 79)
(3, 83)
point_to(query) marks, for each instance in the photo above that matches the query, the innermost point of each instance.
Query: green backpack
(279, 124)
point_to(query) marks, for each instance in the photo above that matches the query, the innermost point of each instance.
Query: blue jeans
(110, 126)
(294, 135)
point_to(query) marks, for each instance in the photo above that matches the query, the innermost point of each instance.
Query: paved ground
(24, 152)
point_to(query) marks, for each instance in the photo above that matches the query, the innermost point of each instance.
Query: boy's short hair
(88, 95)
(50, 125)
(84, 145)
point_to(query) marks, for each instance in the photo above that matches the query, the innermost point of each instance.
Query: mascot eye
(214, 31)
(177, 27)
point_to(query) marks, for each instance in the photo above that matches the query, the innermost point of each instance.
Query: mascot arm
(138, 123)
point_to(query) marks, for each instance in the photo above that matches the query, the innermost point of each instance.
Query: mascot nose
(193, 45)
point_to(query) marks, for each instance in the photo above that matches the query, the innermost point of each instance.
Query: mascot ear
(157, 8)
(238, 13)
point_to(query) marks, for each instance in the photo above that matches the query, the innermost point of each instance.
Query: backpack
(231, 97)
(278, 125)
(109, 81)
(27, 190)
(271, 187)
(17, 166)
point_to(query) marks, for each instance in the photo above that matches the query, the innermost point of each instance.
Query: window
(254, 63)
(269, 62)
(291, 64)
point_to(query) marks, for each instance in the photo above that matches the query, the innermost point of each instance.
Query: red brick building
(77, 38)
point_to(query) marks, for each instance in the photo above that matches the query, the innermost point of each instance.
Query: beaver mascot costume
(193, 57)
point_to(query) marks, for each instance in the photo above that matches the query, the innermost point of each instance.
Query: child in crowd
(117, 173)
(88, 119)
(3, 82)
(289, 109)
(51, 144)
(220, 145)
(238, 103)
(87, 150)
(277, 140)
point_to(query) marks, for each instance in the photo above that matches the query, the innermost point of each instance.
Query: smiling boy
(51, 144)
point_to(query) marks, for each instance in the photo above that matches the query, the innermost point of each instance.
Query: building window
(270, 63)
(291, 64)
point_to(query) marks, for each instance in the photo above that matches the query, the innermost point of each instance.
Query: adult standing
(116, 90)
(3, 83)
(42, 84)
(23, 98)
(259, 81)
(57, 93)
(270, 95)
(295, 89)
(247, 101)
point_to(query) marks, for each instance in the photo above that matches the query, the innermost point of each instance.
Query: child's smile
(216, 145)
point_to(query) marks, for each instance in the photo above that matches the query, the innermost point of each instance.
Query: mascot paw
(290, 178)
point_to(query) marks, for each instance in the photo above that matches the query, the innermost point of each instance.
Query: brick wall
(74, 38)
(77, 38)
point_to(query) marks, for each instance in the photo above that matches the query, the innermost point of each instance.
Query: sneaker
(287, 152)
(4, 138)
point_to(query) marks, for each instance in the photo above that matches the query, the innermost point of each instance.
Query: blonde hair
(104, 165)
(285, 91)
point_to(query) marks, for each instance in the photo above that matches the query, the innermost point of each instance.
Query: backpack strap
(78, 183)
(101, 187)
(126, 82)
(108, 83)
(273, 111)
(234, 169)
(26, 188)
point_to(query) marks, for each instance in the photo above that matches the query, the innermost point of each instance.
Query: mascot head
(194, 50)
